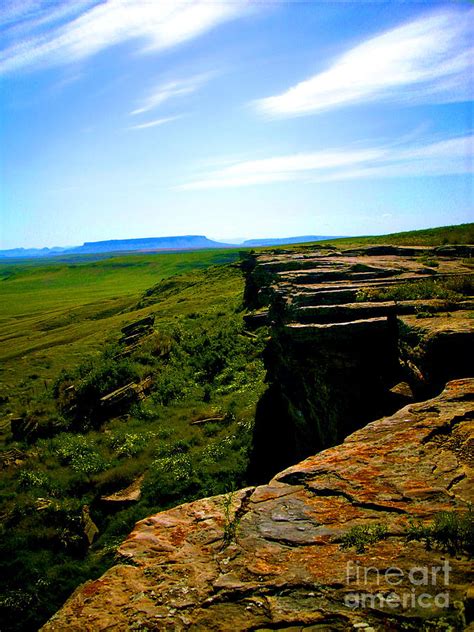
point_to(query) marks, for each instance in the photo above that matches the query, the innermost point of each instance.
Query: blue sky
(126, 118)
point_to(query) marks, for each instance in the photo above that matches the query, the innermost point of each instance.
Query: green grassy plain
(54, 313)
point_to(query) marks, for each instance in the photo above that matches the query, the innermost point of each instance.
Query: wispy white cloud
(449, 156)
(19, 18)
(156, 122)
(170, 90)
(158, 24)
(16, 9)
(428, 59)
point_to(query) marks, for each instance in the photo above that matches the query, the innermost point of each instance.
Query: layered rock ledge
(273, 559)
(354, 335)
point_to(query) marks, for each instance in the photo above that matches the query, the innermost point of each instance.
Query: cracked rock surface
(285, 568)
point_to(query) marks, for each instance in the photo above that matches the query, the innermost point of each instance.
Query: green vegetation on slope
(445, 235)
(450, 531)
(189, 438)
(53, 314)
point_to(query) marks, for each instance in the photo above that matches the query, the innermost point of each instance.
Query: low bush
(169, 478)
(449, 288)
(78, 393)
(451, 531)
(79, 453)
(429, 262)
(130, 443)
(360, 536)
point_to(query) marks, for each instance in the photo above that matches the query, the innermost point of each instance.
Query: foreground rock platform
(277, 561)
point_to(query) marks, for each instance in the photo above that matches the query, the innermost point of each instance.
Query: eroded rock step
(347, 313)
(316, 276)
(343, 330)
(288, 265)
(359, 311)
(346, 291)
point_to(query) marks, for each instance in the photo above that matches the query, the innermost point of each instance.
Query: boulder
(129, 494)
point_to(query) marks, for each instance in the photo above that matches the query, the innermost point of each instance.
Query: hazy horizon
(123, 118)
(223, 240)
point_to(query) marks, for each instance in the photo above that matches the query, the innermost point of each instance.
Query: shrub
(79, 453)
(28, 479)
(360, 536)
(130, 444)
(460, 284)
(169, 385)
(429, 262)
(212, 429)
(231, 520)
(451, 531)
(169, 478)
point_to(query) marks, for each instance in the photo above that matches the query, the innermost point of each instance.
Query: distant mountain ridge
(180, 242)
(281, 241)
(31, 252)
(441, 235)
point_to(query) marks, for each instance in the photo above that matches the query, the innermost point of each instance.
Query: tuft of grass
(231, 520)
(429, 262)
(451, 531)
(360, 536)
(452, 289)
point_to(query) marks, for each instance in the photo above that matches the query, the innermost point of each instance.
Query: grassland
(53, 314)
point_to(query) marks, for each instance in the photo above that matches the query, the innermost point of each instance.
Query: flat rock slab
(285, 568)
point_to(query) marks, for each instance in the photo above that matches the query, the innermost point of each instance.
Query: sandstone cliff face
(338, 348)
(275, 562)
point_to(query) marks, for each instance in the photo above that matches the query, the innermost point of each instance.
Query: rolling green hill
(53, 313)
(445, 235)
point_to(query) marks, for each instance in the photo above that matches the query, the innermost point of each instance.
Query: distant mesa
(184, 242)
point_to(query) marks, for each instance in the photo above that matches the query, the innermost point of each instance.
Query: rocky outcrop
(270, 557)
(345, 330)
(134, 391)
(129, 494)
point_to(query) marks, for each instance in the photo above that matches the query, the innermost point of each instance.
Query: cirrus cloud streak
(159, 24)
(444, 157)
(426, 60)
(156, 122)
(166, 91)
